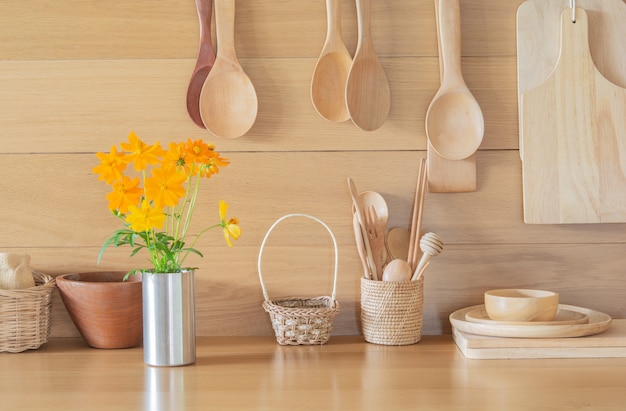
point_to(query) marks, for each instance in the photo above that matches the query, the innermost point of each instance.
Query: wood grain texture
(346, 374)
(92, 73)
(574, 138)
(97, 103)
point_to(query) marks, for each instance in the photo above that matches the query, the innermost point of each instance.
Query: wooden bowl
(521, 305)
(106, 310)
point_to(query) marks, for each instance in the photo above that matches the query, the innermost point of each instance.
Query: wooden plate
(562, 317)
(598, 322)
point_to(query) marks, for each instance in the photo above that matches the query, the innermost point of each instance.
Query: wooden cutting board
(538, 40)
(611, 343)
(573, 132)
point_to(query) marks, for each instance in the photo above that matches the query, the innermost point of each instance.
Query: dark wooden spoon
(206, 59)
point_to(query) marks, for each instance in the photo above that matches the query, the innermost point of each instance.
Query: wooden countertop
(255, 373)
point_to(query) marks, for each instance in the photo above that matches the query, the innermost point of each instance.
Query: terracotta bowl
(106, 310)
(521, 305)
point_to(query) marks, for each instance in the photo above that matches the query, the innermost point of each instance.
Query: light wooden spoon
(204, 62)
(358, 212)
(331, 70)
(454, 120)
(431, 246)
(397, 270)
(367, 90)
(228, 101)
(397, 243)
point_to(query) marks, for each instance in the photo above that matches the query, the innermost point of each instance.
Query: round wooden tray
(598, 322)
(563, 317)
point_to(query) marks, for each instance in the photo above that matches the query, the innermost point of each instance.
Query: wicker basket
(25, 315)
(301, 321)
(392, 312)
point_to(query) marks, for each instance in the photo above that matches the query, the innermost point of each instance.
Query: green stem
(195, 240)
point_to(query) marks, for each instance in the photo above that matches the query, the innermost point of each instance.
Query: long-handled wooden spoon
(448, 176)
(204, 63)
(328, 85)
(358, 212)
(228, 101)
(454, 120)
(367, 90)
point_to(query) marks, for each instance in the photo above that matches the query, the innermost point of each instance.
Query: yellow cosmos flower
(140, 153)
(126, 192)
(111, 166)
(145, 218)
(165, 187)
(230, 227)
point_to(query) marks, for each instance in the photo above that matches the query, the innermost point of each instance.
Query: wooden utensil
(330, 75)
(454, 120)
(360, 246)
(397, 270)
(376, 237)
(431, 246)
(367, 90)
(376, 200)
(538, 23)
(397, 243)
(204, 62)
(359, 215)
(448, 176)
(598, 322)
(416, 215)
(574, 137)
(228, 101)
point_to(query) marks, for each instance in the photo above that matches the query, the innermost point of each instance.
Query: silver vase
(169, 320)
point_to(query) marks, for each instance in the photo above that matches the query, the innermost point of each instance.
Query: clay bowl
(106, 310)
(521, 305)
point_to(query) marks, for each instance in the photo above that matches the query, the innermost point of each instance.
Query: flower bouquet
(157, 208)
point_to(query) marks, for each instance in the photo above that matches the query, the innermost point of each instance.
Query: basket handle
(267, 235)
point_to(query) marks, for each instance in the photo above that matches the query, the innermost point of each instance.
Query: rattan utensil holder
(25, 315)
(301, 321)
(392, 312)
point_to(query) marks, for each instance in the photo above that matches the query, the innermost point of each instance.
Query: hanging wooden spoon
(448, 176)
(328, 85)
(228, 101)
(454, 120)
(367, 90)
(204, 63)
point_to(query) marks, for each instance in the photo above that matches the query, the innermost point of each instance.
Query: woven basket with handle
(301, 321)
(25, 315)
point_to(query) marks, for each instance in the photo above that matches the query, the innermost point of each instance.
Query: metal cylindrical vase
(169, 319)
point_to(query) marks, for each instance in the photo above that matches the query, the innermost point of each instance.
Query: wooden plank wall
(76, 76)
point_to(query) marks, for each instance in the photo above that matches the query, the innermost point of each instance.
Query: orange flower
(140, 153)
(175, 156)
(165, 187)
(213, 165)
(111, 166)
(126, 192)
(145, 218)
(198, 151)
